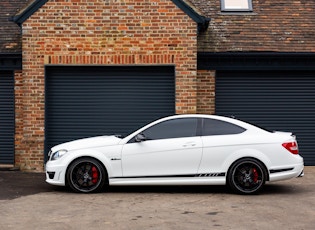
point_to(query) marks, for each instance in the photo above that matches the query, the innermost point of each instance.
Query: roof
(274, 26)
(10, 32)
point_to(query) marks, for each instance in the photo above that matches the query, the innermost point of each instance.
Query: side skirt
(202, 179)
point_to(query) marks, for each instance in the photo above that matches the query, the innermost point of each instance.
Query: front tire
(247, 176)
(86, 175)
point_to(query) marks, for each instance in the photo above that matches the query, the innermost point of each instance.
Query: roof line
(24, 14)
(255, 60)
(202, 21)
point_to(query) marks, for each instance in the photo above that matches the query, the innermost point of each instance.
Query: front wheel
(86, 175)
(246, 176)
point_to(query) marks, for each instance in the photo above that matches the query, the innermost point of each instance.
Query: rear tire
(86, 175)
(247, 176)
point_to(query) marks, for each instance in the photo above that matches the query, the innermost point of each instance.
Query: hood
(91, 142)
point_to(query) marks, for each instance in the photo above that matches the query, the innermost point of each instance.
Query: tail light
(292, 147)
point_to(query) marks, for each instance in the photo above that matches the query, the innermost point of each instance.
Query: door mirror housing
(140, 137)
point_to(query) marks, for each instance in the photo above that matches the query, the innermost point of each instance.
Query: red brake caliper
(255, 175)
(94, 175)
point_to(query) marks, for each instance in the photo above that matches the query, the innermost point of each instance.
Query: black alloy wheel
(247, 176)
(86, 175)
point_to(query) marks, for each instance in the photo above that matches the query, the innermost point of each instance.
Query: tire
(86, 175)
(247, 176)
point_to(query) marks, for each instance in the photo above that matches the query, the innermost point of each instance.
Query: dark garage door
(6, 118)
(93, 100)
(277, 100)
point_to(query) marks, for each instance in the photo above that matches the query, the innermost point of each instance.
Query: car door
(170, 148)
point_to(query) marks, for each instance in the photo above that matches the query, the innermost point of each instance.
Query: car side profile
(179, 150)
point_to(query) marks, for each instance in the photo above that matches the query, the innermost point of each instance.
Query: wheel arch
(253, 158)
(249, 154)
(90, 157)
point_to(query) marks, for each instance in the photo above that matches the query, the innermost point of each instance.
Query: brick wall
(99, 32)
(206, 92)
(279, 26)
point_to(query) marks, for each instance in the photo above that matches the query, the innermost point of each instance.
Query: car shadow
(269, 189)
(17, 184)
(168, 189)
(213, 189)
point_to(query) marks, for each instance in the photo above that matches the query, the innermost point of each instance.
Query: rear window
(218, 127)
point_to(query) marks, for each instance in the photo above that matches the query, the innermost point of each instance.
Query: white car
(179, 150)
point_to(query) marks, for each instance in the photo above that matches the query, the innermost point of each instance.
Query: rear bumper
(289, 172)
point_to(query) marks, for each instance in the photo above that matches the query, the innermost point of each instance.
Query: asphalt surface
(28, 202)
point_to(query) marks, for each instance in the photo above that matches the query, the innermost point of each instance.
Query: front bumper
(55, 174)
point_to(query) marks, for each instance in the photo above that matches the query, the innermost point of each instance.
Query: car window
(217, 127)
(182, 127)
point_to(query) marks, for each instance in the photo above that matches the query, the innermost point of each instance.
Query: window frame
(225, 8)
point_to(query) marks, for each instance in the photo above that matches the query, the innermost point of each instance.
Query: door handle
(189, 144)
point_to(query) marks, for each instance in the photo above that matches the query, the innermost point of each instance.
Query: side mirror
(140, 137)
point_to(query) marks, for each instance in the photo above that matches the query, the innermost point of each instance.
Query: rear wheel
(247, 176)
(86, 175)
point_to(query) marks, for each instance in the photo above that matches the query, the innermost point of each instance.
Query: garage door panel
(7, 118)
(277, 100)
(88, 101)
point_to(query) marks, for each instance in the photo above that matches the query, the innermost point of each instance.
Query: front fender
(96, 155)
(111, 160)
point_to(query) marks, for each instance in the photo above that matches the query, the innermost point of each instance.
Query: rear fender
(251, 153)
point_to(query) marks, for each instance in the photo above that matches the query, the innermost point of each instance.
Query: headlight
(58, 154)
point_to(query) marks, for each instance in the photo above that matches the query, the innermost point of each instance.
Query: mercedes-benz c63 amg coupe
(179, 150)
